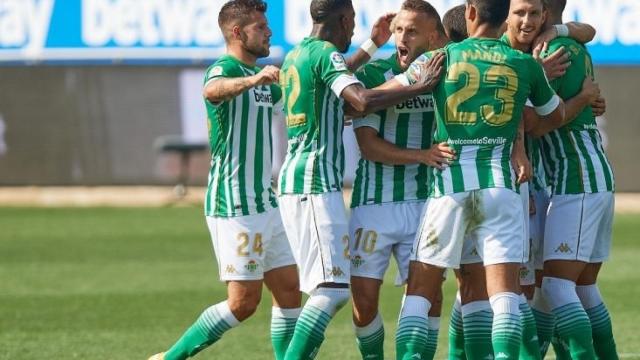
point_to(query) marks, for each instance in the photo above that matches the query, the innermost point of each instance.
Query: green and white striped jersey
(408, 125)
(240, 181)
(574, 158)
(539, 178)
(479, 105)
(312, 78)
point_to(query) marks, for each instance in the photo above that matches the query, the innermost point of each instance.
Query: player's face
(412, 32)
(525, 20)
(256, 35)
(348, 22)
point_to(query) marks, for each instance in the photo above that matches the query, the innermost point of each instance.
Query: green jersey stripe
(485, 180)
(258, 161)
(242, 153)
(507, 175)
(596, 140)
(588, 177)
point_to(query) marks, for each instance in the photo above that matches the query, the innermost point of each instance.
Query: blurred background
(89, 89)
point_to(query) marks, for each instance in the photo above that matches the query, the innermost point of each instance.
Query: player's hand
(521, 165)
(590, 90)
(545, 38)
(429, 72)
(438, 156)
(268, 75)
(381, 31)
(556, 64)
(351, 112)
(599, 106)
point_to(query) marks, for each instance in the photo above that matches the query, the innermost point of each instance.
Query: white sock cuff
(457, 303)
(329, 300)
(539, 303)
(281, 313)
(434, 323)
(370, 328)
(589, 296)
(523, 299)
(414, 305)
(559, 292)
(505, 303)
(475, 306)
(225, 313)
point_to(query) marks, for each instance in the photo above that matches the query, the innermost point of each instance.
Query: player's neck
(485, 31)
(513, 40)
(553, 20)
(241, 54)
(441, 42)
(324, 32)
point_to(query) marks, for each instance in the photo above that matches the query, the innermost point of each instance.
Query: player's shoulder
(572, 46)
(374, 71)
(224, 66)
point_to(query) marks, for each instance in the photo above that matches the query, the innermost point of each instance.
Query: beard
(254, 47)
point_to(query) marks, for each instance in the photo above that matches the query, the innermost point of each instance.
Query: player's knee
(365, 311)
(245, 306)
(329, 299)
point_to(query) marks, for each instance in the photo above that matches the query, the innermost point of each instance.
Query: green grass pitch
(124, 284)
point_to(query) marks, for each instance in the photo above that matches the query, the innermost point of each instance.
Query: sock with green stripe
(560, 347)
(572, 322)
(212, 323)
(545, 321)
(456, 332)
(530, 347)
(322, 305)
(413, 329)
(283, 323)
(506, 333)
(477, 319)
(432, 338)
(601, 329)
(370, 339)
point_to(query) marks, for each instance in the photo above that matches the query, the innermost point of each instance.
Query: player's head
(455, 24)
(555, 8)
(525, 20)
(486, 12)
(416, 27)
(243, 23)
(339, 17)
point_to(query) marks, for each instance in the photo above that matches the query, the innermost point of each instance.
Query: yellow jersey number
(504, 94)
(291, 78)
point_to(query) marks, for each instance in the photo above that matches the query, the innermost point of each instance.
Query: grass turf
(125, 283)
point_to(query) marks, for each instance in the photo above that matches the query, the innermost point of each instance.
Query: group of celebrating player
(479, 152)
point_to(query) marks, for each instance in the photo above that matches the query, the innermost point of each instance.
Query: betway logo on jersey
(418, 104)
(151, 22)
(261, 97)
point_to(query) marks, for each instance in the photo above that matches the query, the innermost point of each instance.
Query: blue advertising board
(186, 31)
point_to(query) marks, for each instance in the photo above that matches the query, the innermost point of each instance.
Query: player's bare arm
(590, 93)
(380, 34)
(519, 159)
(599, 106)
(365, 101)
(377, 149)
(581, 32)
(224, 89)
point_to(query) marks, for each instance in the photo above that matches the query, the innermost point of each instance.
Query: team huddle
(479, 153)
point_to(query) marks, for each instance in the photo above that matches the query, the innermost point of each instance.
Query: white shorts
(248, 246)
(578, 227)
(527, 270)
(377, 231)
(536, 226)
(490, 219)
(318, 231)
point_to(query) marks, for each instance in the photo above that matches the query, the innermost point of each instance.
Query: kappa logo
(416, 356)
(502, 355)
(564, 249)
(338, 61)
(336, 271)
(230, 269)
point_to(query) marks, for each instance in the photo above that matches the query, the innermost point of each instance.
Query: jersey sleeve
(332, 70)
(542, 96)
(220, 69)
(276, 93)
(413, 73)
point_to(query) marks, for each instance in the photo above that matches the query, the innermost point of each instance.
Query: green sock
(506, 332)
(530, 347)
(412, 333)
(573, 326)
(545, 321)
(477, 319)
(212, 323)
(283, 323)
(560, 347)
(456, 333)
(370, 339)
(432, 338)
(603, 342)
(322, 305)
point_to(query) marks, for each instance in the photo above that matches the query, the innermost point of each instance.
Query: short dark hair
(422, 6)
(240, 11)
(455, 23)
(321, 10)
(556, 7)
(492, 12)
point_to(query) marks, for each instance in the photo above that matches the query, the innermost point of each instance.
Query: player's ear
(470, 13)
(236, 32)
